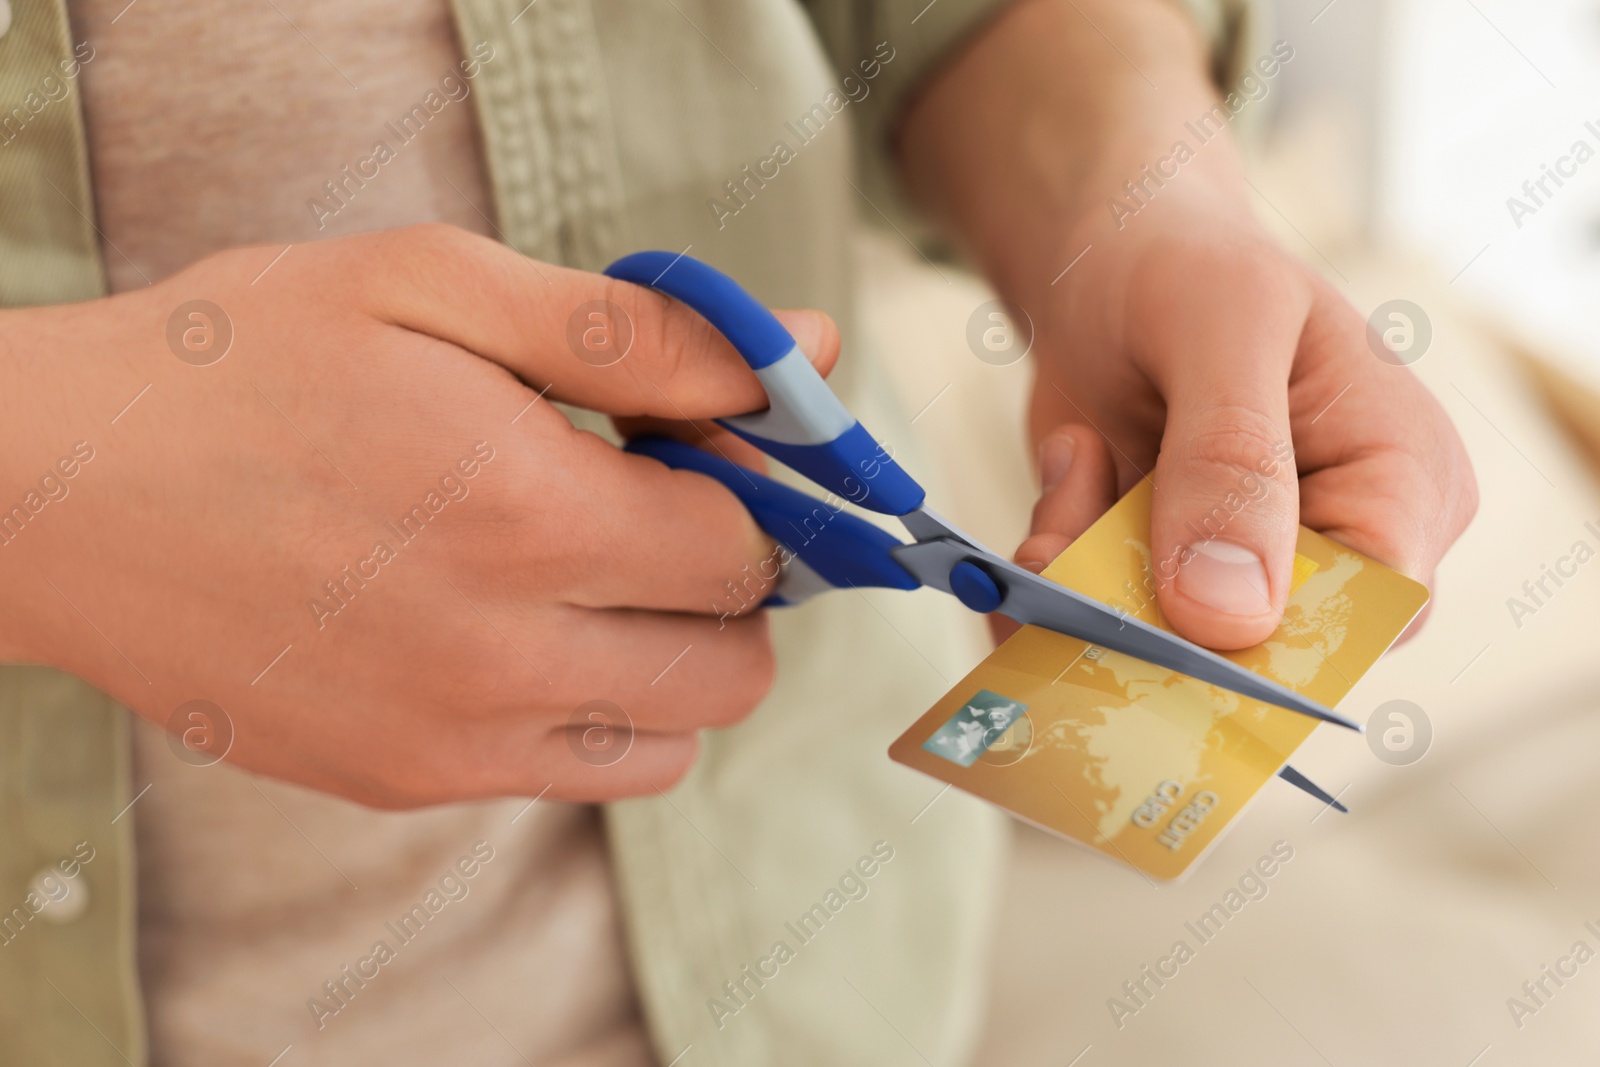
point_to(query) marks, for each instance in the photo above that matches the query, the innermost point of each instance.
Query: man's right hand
(377, 392)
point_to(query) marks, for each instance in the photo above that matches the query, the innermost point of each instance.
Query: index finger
(1382, 468)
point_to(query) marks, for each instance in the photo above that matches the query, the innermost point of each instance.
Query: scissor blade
(1036, 601)
(1044, 603)
(1300, 781)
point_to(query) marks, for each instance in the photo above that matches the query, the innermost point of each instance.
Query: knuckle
(1261, 269)
(1239, 441)
(1467, 500)
(1417, 508)
(479, 655)
(406, 247)
(439, 249)
(407, 784)
(439, 238)
(416, 256)
(1463, 481)
(646, 312)
(750, 671)
(667, 335)
(1433, 464)
(680, 762)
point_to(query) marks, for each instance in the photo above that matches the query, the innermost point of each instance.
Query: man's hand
(366, 533)
(1208, 357)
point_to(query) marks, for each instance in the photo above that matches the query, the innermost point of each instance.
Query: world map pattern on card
(1134, 760)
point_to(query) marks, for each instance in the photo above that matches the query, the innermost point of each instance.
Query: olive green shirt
(601, 138)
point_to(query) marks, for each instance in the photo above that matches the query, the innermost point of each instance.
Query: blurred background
(1416, 120)
(1408, 931)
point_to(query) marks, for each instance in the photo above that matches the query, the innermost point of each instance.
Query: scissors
(807, 428)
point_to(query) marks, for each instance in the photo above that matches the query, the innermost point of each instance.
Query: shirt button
(65, 899)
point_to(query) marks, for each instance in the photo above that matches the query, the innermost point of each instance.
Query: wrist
(1023, 143)
(49, 448)
(1159, 191)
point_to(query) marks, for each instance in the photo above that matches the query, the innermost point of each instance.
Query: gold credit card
(1141, 763)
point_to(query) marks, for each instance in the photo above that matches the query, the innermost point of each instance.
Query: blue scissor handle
(842, 549)
(805, 426)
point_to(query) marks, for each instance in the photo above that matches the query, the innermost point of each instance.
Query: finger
(1382, 467)
(669, 672)
(594, 341)
(592, 754)
(1225, 501)
(575, 689)
(702, 433)
(629, 714)
(639, 534)
(652, 764)
(1078, 481)
(585, 763)
(707, 434)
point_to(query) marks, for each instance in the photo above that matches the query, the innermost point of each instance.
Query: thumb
(590, 340)
(817, 337)
(1226, 504)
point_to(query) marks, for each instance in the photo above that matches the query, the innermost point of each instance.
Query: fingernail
(1055, 459)
(1225, 577)
(1037, 566)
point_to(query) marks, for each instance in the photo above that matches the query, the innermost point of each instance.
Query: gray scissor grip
(801, 409)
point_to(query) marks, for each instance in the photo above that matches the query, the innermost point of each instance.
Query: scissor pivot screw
(973, 587)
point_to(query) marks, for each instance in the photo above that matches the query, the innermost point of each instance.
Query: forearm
(1019, 144)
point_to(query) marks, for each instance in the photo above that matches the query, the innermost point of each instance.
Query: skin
(219, 503)
(1186, 344)
(184, 557)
